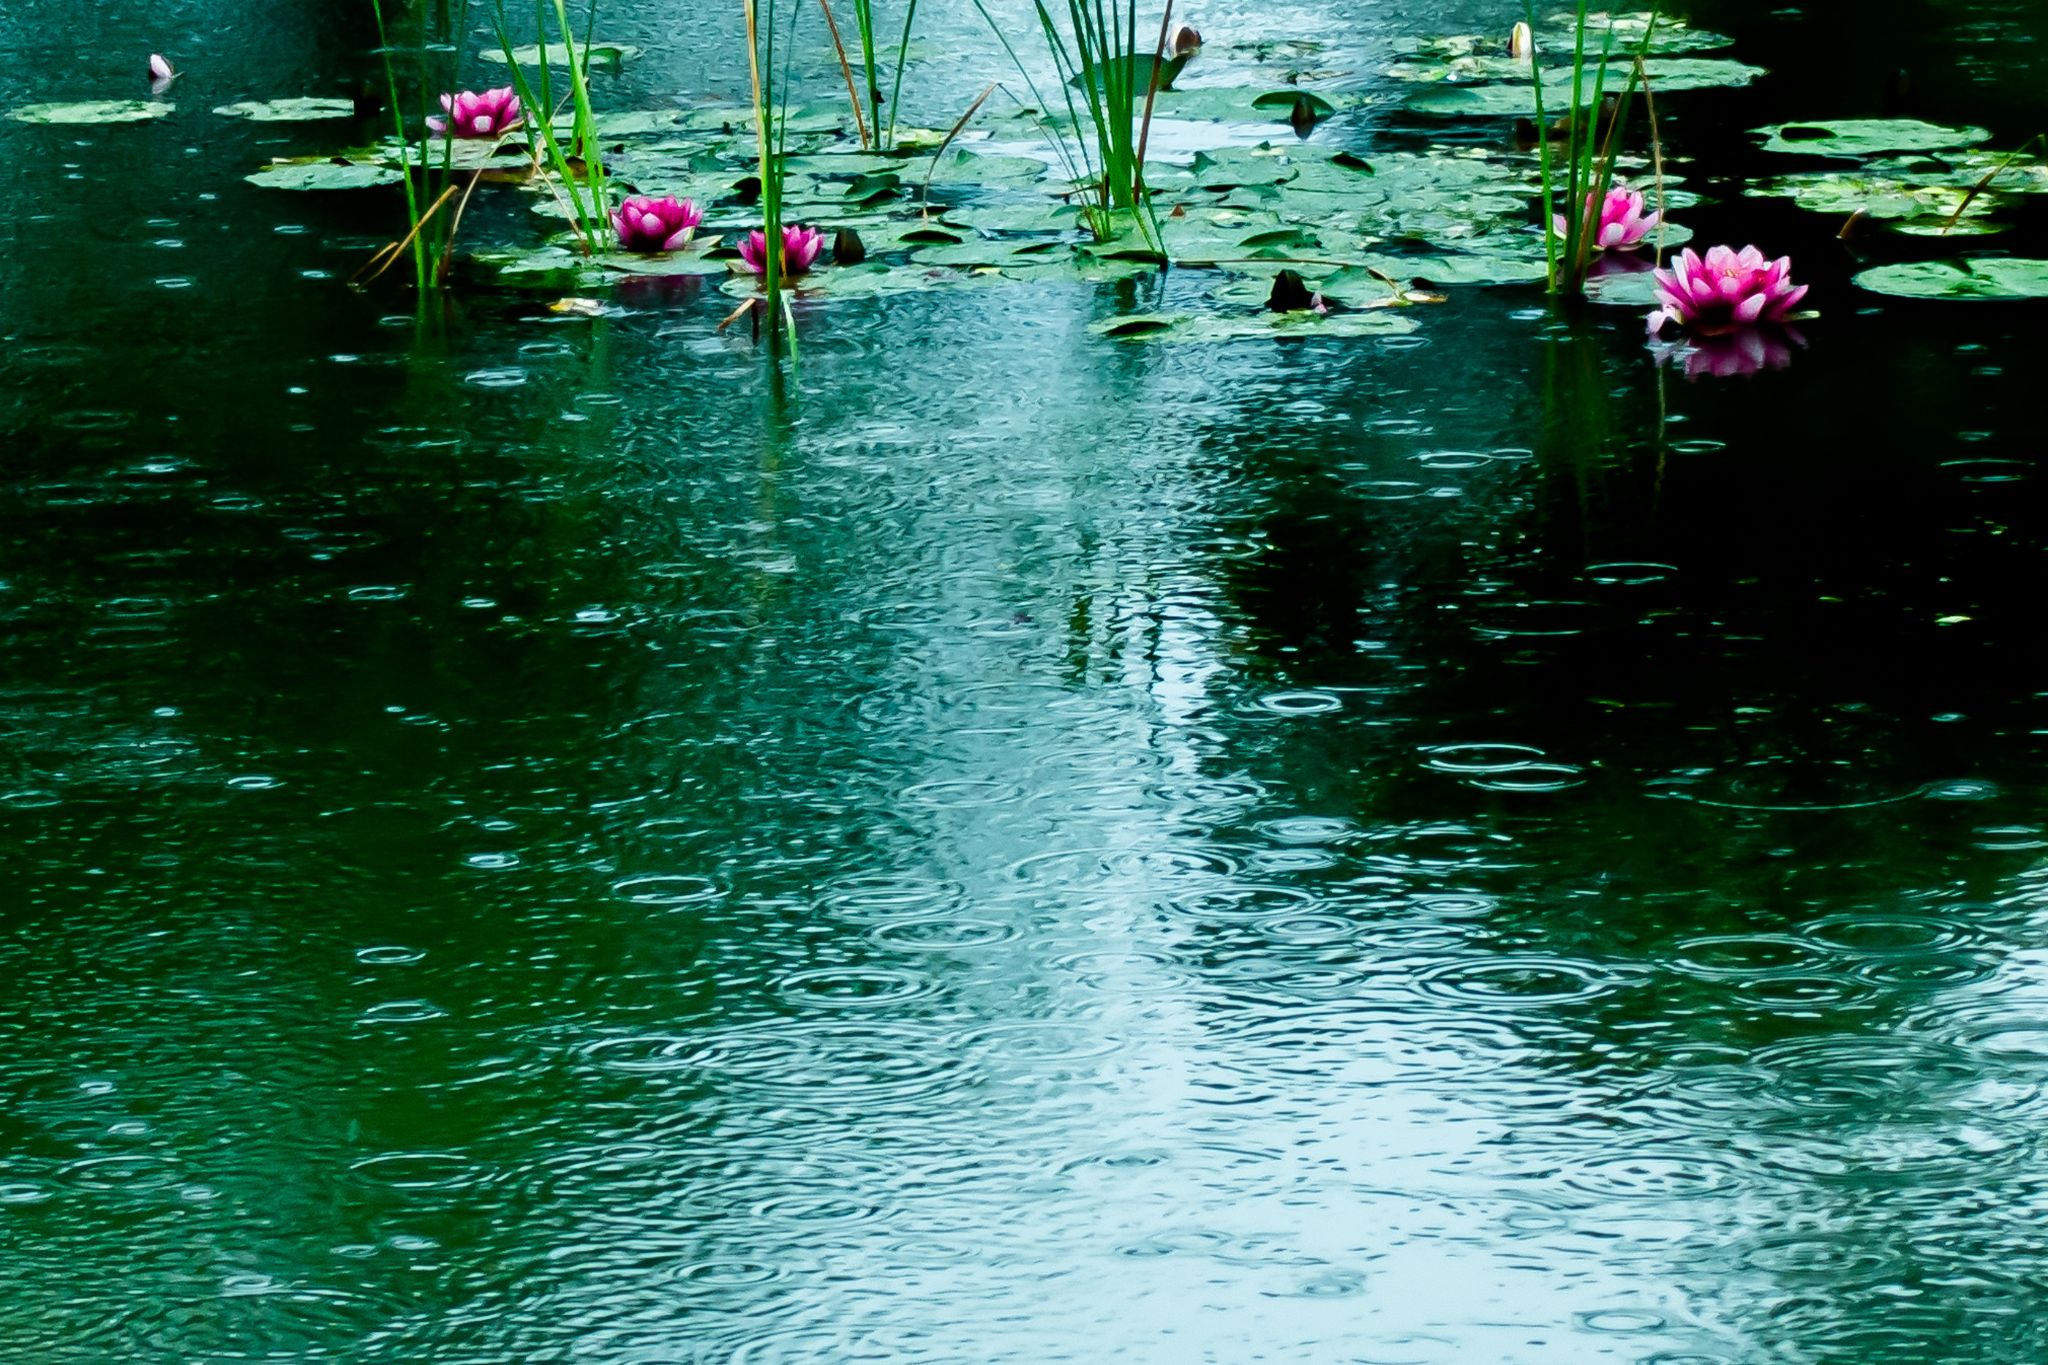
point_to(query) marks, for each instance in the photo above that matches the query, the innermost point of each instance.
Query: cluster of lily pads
(1303, 235)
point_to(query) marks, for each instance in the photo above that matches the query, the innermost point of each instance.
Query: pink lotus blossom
(491, 113)
(665, 224)
(800, 248)
(1728, 289)
(1624, 221)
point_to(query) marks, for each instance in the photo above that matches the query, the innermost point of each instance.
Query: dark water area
(530, 839)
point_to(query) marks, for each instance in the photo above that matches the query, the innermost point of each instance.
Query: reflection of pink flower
(800, 247)
(1608, 264)
(1624, 220)
(655, 224)
(1728, 289)
(490, 113)
(1735, 354)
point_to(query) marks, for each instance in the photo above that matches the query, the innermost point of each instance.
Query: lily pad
(91, 112)
(1143, 65)
(325, 173)
(1990, 278)
(1190, 327)
(1861, 137)
(1517, 98)
(1287, 101)
(302, 109)
(1889, 197)
(870, 280)
(1624, 289)
(599, 54)
(657, 263)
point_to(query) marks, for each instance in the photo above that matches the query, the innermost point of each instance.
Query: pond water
(527, 838)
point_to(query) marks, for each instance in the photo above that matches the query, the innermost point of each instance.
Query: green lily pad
(1517, 98)
(959, 166)
(304, 109)
(91, 112)
(1070, 268)
(1143, 65)
(1990, 278)
(546, 267)
(631, 122)
(457, 154)
(1624, 289)
(600, 54)
(1915, 206)
(1672, 34)
(1194, 327)
(1287, 100)
(325, 173)
(1555, 40)
(659, 263)
(1861, 137)
(872, 279)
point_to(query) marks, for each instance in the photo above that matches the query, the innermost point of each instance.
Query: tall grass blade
(896, 86)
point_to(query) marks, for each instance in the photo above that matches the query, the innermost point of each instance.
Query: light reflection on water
(1014, 848)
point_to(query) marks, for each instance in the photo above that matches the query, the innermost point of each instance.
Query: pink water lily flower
(1728, 289)
(489, 113)
(800, 248)
(665, 224)
(1625, 221)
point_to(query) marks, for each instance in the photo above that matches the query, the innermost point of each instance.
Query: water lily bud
(848, 248)
(1186, 41)
(1521, 43)
(1303, 116)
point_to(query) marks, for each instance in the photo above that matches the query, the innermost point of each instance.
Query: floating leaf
(1861, 137)
(631, 122)
(658, 262)
(1624, 289)
(303, 109)
(962, 166)
(1287, 100)
(1919, 206)
(1989, 278)
(1517, 98)
(1142, 66)
(597, 53)
(870, 280)
(325, 173)
(92, 111)
(1187, 327)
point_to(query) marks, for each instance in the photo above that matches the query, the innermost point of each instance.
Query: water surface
(530, 840)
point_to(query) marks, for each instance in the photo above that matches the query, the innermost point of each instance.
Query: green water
(528, 839)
